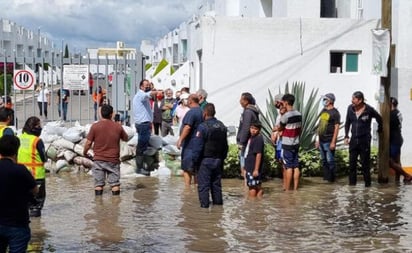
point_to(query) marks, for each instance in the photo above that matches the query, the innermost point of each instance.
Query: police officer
(32, 154)
(210, 152)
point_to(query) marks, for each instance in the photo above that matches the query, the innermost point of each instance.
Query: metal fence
(119, 76)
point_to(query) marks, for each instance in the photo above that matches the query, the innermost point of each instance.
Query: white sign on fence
(76, 77)
(23, 79)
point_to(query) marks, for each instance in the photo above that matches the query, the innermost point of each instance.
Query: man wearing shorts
(106, 135)
(291, 124)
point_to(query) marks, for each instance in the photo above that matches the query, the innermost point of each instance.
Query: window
(344, 62)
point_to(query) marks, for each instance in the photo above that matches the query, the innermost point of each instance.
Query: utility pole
(383, 171)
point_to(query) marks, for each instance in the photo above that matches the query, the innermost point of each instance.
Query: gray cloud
(100, 23)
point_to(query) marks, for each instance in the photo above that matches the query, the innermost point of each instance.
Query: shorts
(252, 181)
(278, 154)
(102, 170)
(291, 158)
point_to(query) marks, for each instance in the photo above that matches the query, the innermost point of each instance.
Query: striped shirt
(291, 121)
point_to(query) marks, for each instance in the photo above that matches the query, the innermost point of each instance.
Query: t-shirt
(254, 146)
(106, 135)
(292, 123)
(16, 183)
(65, 95)
(42, 97)
(327, 121)
(193, 118)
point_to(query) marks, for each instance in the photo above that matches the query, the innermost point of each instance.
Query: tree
(66, 51)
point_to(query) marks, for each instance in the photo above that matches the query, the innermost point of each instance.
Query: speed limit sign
(23, 80)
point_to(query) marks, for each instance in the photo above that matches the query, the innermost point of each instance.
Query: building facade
(235, 46)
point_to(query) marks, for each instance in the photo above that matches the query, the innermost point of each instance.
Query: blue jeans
(16, 238)
(327, 157)
(64, 110)
(143, 137)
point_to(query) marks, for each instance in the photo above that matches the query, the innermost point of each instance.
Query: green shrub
(309, 163)
(311, 166)
(231, 167)
(9, 81)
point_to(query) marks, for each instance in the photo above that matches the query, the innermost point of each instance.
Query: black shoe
(115, 193)
(98, 192)
(35, 212)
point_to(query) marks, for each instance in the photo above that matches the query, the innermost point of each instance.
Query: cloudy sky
(99, 23)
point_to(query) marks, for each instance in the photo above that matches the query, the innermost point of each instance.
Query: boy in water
(254, 160)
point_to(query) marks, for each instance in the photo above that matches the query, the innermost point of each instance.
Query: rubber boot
(141, 166)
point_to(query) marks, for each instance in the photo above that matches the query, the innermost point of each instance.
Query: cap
(184, 96)
(330, 96)
(278, 97)
(394, 101)
(358, 95)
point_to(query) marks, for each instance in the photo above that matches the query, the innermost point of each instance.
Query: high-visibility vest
(2, 128)
(29, 156)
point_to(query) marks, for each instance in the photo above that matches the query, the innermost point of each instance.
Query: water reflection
(159, 215)
(202, 225)
(103, 229)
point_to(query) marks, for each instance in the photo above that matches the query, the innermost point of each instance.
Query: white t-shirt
(43, 93)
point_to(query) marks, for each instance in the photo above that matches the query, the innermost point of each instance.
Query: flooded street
(159, 215)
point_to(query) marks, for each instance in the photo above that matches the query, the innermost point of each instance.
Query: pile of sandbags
(64, 147)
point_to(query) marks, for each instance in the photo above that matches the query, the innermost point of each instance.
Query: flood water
(159, 215)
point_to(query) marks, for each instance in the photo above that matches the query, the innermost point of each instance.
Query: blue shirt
(193, 118)
(141, 107)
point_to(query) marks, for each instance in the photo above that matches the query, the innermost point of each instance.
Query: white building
(243, 45)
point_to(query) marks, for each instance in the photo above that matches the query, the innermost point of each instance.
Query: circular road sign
(23, 79)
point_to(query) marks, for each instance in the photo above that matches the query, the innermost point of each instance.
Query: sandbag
(74, 134)
(63, 143)
(61, 164)
(171, 150)
(69, 155)
(133, 141)
(156, 142)
(170, 139)
(48, 138)
(126, 152)
(127, 169)
(86, 162)
(51, 152)
(129, 131)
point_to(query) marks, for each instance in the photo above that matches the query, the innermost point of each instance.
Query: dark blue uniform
(210, 151)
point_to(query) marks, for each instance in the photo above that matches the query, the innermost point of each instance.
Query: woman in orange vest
(32, 155)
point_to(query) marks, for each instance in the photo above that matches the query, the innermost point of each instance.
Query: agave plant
(309, 108)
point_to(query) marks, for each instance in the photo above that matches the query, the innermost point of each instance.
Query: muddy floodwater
(159, 215)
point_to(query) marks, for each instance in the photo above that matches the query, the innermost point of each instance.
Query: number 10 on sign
(23, 80)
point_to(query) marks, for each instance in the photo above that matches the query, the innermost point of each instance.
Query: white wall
(404, 74)
(296, 8)
(255, 55)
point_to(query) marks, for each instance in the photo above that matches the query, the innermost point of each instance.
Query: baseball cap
(184, 96)
(330, 96)
(278, 97)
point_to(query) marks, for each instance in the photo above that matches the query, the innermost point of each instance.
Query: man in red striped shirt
(291, 124)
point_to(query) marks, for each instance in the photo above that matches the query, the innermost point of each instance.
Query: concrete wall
(403, 64)
(255, 55)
